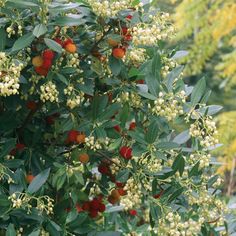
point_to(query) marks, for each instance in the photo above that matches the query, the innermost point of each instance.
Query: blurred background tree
(209, 28)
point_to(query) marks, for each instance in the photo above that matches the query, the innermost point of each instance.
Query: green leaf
(198, 91)
(23, 42)
(124, 115)
(71, 216)
(176, 194)
(70, 21)
(38, 181)
(108, 233)
(24, 3)
(3, 37)
(182, 137)
(152, 132)
(39, 30)
(115, 65)
(178, 164)
(62, 78)
(167, 145)
(7, 147)
(53, 45)
(175, 73)
(35, 233)
(148, 96)
(194, 170)
(11, 230)
(123, 175)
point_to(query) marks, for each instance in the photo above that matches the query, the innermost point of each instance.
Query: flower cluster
(150, 33)
(205, 130)
(74, 100)
(202, 158)
(133, 194)
(137, 56)
(4, 174)
(48, 92)
(169, 65)
(23, 200)
(9, 75)
(109, 8)
(152, 164)
(12, 30)
(133, 98)
(173, 225)
(169, 105)
(93, 144)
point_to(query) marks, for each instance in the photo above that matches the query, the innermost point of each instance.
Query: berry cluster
(94, 206)
(43, 63)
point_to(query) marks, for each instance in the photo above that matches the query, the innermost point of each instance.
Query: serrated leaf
(53, 45)
(39, 30)
(38, 181)
(23, 42)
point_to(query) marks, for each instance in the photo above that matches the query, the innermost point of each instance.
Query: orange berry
(84, 158)
(118, 53)
(115, 194)
(112, 200)
(37, 61)
(29, 178)
(71, 48)
(112, 42)
(80, 138)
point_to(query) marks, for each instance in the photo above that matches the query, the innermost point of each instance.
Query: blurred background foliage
(207, 30)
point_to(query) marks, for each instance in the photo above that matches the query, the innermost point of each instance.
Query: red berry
(117, 128)
(41, 71)
(128, 37)
(50, 120)
(59, 41)
(31, 105)
(124, 30)
(118, 53)
(68, 209)
(119, 184)
(94, 204)
(122, 192)
(78, 208)
(102, 207)
(129, 17)
(126, 152)
(133, 212)
(67, 41)
(93, 213)
(86, 206)
(47, 63)
(140, 81)
(159, 194)
(48, 54)
(20, 146)
(72, 135)
(103, 169)
(132, 126)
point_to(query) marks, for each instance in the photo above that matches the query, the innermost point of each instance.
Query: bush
(92, 107)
